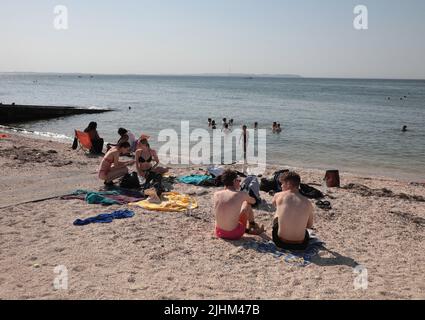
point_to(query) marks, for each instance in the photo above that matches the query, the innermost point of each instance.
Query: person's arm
(137, 156)
(311, 217)
(274, 200)
(155, 158)
(249, 199)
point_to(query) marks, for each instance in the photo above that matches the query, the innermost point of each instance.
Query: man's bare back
(294, 213)
(228, 205)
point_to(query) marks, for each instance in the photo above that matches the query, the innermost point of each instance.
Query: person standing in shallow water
(244, 137)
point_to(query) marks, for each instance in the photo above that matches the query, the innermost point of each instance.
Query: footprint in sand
(79, 268)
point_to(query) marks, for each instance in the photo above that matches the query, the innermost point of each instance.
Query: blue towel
(195, 179)
(105, 217)
(297, 258)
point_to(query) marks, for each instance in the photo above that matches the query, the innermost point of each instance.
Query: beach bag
(75, 144)
(332, 179)
(130, 181)
(310, 192)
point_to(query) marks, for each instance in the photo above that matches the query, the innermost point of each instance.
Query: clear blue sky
(306, 37)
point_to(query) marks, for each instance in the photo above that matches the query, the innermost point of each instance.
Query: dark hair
(213, 122)
(145, 142)
(231, 121)
(124, 145)
(224, 119)
(209, 119)
(292, 177)
(122, 131)
(92, 126)
(244, 127)
(226, 125)
(229, 177)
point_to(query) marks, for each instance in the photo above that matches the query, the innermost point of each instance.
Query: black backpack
(130, 181)
(310, 192)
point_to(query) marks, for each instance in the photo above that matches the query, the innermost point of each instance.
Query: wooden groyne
(11, 113)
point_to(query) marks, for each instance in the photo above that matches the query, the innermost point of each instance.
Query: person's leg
(160, 170)
(253, 228)
(247, 211)
(115, 173)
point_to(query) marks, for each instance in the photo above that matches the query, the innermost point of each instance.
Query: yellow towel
(174, 201)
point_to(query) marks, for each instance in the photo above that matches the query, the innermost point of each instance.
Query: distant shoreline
(206, 75)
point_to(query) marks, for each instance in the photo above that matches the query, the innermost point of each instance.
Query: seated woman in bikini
(145, 156)
(111, 167)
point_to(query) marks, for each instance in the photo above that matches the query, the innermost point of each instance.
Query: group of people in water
(227, 125)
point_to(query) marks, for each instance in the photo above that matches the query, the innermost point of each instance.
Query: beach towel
(196, 179)
(215, 171)
(3, 136)
(105, 217)
(105, 198)
(173, 202)
(295, 258)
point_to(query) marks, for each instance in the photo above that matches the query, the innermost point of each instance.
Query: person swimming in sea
(404, 129)
(111, 167)
(278, 128)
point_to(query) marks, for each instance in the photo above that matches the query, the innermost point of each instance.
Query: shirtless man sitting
(233, 209)
(294, 214)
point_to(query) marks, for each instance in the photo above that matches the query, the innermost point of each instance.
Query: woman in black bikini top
(143, 160)
(145, 165)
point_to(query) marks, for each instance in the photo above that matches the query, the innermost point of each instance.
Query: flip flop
(324, 205)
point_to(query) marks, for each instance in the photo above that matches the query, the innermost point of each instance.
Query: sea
(352, 125)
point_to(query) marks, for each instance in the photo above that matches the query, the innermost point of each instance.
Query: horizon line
(206, 74)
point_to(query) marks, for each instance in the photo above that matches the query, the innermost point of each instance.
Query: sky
(310, 38)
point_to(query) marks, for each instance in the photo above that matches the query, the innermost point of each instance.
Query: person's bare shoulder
(280, 197)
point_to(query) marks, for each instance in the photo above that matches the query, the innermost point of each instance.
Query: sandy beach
(161, 255)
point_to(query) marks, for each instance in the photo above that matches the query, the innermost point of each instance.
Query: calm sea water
(327, 123)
